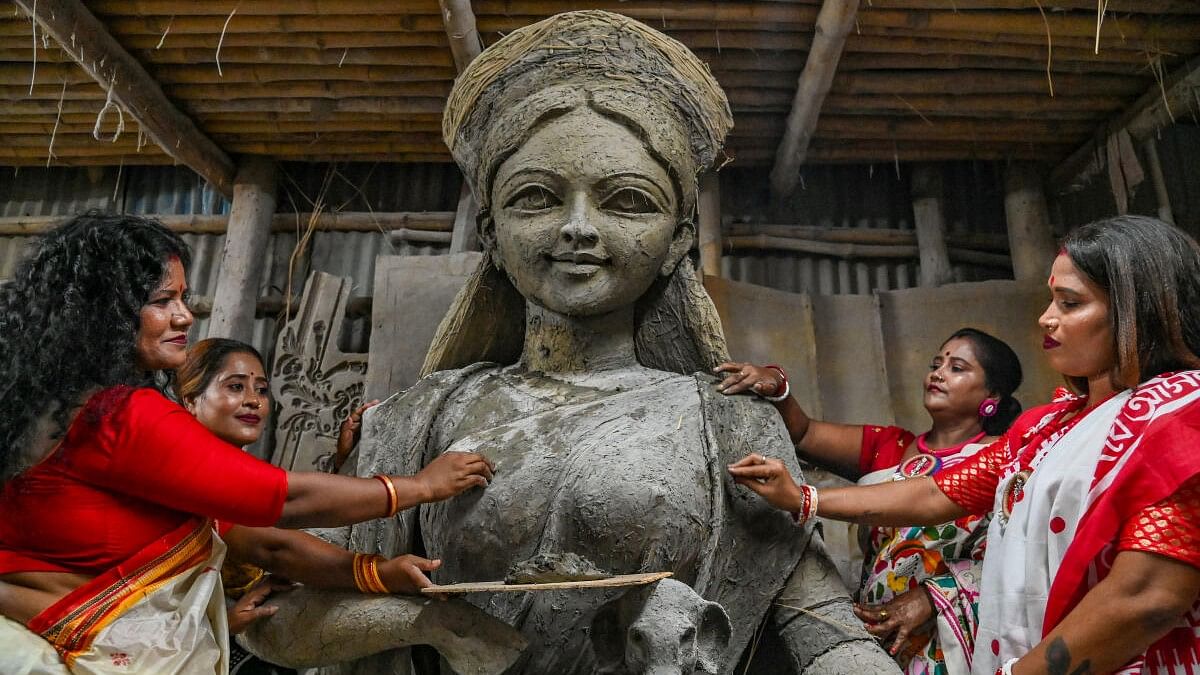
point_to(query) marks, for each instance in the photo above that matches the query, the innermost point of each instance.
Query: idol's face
(584, 218)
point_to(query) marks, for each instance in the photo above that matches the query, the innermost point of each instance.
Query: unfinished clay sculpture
(576, 358)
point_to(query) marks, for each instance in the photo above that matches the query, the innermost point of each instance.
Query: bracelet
(808, 505)
(782, 396)
(1006, 669)
(393, 499)
(366, 573)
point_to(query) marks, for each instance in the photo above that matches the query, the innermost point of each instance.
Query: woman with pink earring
(920, 584)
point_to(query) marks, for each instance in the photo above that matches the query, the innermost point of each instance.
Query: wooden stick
(80, 34)
(833, 25)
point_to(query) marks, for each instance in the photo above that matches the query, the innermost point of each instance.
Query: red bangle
(781, 372)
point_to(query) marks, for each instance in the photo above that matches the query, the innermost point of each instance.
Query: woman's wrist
(782, 392)
(411, 491)
(805, 504)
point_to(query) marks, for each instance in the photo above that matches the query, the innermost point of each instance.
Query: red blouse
(116, 484)
(883, 447)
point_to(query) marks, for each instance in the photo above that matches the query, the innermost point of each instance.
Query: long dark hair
(1151, 273)
(69, 318)
(1001, 374)
(204, 360)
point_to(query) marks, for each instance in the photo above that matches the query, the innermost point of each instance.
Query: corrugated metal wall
(176, 190)
(856, 196)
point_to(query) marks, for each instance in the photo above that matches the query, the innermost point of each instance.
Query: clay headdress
(623, 70)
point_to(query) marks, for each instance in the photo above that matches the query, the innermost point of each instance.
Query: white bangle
(787, 389)
(1006, 669)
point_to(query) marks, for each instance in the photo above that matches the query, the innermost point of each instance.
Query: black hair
(1001, 374)
(69, 318)
(204, 361)
(1151, 273)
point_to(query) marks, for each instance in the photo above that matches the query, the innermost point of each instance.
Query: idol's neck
(557, 343)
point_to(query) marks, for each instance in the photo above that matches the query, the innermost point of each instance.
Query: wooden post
(930, 224)
(465, 44)
(245, 242)
(1030, 241)
(464, 237)
(833, 25)
(1160, 183)
(709, 208)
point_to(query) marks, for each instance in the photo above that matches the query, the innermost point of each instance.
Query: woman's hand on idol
(743, 377)
(453, 473)
(349, 433)
(900, 617)
(768, 477)
(250, 607)
(407, 574)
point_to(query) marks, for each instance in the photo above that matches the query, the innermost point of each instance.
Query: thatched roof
(366, 80)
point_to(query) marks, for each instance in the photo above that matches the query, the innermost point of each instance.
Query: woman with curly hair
(114, 498)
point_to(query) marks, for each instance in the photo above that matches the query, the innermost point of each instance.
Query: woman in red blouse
(920, 585)
(113, 496)
(1093, 554)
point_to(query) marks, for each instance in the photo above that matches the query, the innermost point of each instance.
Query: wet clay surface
(547, 568)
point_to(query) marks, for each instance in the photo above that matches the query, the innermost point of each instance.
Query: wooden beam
(465, 42)
(768, 243)
(246, 239)
(930, 224)
(1030, 240)
(1160, 106)
(833, 25)
(82, 36)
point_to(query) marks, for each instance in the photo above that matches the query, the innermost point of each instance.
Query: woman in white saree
(1093, 560)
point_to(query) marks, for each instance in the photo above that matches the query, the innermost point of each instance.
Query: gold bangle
(359, 580)
(373, 578)
(393, 499)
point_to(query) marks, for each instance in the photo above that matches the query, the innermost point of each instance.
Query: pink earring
(989, 407)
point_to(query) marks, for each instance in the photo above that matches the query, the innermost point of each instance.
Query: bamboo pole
(764, 242)
(412, 223)
(465, 45)
(80, 34)
(833, 24)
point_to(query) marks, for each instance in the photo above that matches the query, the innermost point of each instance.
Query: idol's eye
(533, 198)
(630, 200)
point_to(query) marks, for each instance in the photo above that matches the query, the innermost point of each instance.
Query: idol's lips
(580, 258)
(1050, 343)
(250, 419)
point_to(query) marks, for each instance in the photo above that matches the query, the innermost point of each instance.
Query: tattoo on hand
(1058, 660)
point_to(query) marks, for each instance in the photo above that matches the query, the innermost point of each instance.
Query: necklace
(946, 452)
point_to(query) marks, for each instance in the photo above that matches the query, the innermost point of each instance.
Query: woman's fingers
(901, 639)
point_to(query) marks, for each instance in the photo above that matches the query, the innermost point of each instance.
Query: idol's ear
(681, 243)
